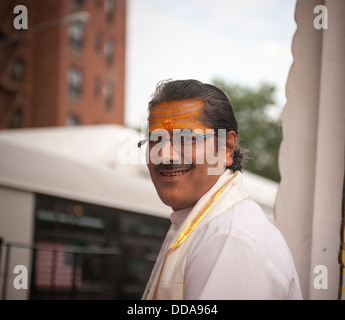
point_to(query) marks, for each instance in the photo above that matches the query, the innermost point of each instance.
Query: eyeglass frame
(196, 135)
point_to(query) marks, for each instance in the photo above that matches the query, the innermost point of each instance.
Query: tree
(258, 131)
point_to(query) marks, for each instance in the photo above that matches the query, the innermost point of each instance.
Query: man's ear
(231, 141)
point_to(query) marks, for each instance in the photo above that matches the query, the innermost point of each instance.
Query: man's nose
(168, 153)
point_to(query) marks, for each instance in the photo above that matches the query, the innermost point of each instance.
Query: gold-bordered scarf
(167, 283)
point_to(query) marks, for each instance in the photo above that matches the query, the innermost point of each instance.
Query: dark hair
(217, 113)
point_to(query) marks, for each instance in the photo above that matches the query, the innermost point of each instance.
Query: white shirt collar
(177, 217)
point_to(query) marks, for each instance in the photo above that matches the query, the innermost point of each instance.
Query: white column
(329, 160)
(311, 159)
(294, 202)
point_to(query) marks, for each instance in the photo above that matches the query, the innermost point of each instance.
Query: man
(220, 244)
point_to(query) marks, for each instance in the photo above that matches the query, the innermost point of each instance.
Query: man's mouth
(173, 173)
(174, 170)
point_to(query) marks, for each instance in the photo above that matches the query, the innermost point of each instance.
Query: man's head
(196, 125)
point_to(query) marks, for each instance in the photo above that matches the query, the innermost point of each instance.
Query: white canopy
(83, 163)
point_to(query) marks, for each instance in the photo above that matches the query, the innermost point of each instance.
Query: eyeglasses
(180, 140)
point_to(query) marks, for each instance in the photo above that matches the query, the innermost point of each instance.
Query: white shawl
(167, 284)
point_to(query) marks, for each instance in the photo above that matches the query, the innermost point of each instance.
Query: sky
(244, 42)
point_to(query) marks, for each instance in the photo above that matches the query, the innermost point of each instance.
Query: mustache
(174, 166)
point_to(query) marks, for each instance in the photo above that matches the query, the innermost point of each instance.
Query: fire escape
(14, 51)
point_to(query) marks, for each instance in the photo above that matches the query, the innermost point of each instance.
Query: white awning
(83, 163)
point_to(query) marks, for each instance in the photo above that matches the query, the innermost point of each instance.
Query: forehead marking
(176, 115)
(178, 110)
(167, 123)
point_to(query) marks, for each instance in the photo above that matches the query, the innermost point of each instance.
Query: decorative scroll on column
(311, 158)
(294, 202)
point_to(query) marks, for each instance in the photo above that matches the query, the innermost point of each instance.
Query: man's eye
(188, 139)
(155, 139)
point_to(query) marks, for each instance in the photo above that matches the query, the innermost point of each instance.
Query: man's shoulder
(251, 227)
(244, 214)
(247, 222)
(248, 214)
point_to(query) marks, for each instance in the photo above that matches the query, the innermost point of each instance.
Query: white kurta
(239, 254)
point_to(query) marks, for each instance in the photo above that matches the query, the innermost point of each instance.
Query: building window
(17, 72)
(76, 35)
(75, 83)
(88, 229)
(109, 51)
(108, 94)
(73, 120)
(109, 8)
(76, 4)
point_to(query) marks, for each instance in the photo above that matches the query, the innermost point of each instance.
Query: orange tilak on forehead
(177, 115)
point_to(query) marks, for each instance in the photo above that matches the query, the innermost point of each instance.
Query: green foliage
(258, 131)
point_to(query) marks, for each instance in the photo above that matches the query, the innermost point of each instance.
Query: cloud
(238, 41)
(277, 50)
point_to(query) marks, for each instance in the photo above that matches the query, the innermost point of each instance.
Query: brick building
(67, 67)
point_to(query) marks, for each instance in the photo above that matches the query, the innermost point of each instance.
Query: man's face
(180, 176)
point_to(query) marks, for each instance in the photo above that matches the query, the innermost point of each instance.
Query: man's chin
(176, 204)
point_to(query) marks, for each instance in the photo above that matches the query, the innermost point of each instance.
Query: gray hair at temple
(217, 114)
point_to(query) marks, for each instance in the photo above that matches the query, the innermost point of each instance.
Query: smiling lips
(173, 173)
(173, 170)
